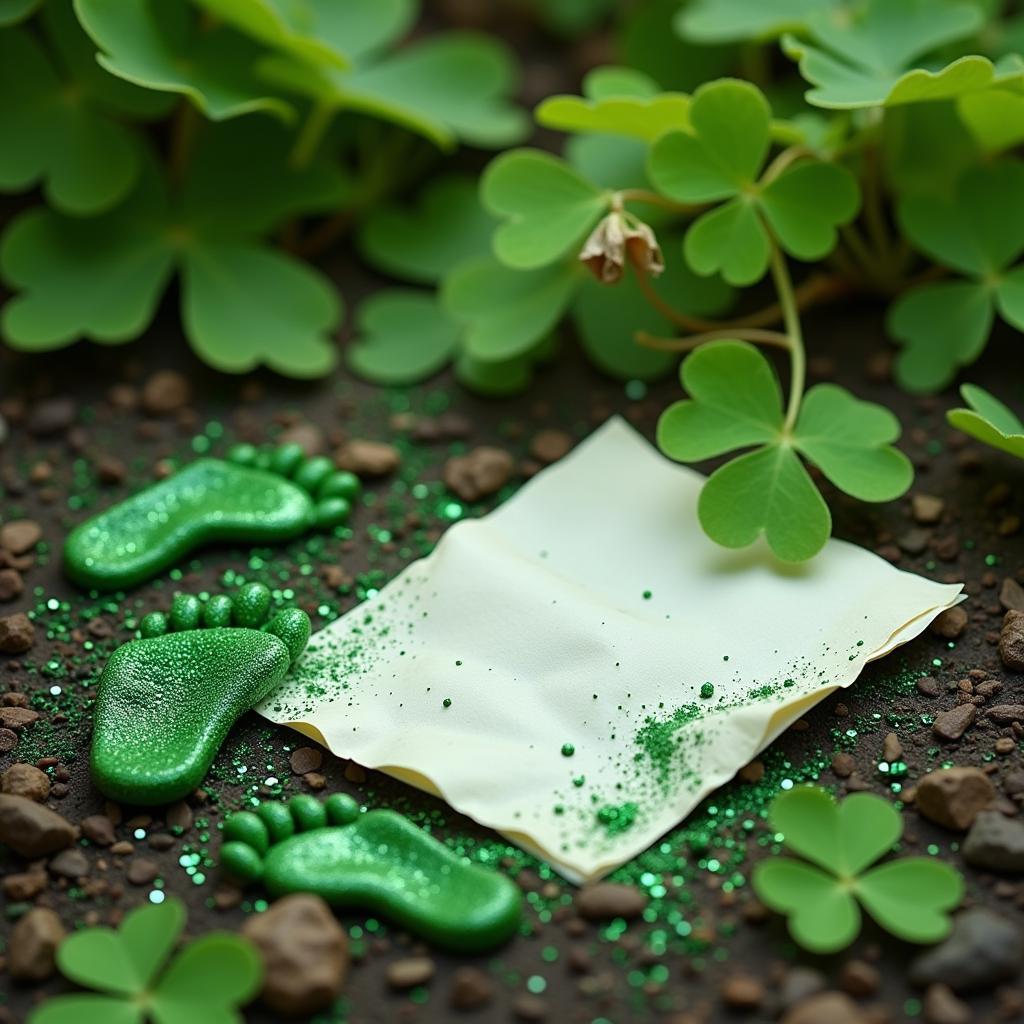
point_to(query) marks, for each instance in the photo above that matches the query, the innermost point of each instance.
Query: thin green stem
(643, 195)
(791, 324)
(183, 136)
(311, 134)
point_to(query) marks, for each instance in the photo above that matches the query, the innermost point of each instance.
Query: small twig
(752, 334)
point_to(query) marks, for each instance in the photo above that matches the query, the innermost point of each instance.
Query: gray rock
(995, 842)
(983, 950)
(71, 864)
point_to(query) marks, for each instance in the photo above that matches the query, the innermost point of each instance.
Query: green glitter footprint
(254, 495)
(166, 701)
(376, 860)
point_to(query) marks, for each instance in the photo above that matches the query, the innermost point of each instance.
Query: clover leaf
(979, 233)
(242, 303)
(989, 421)
(867, 58)
(723, 21)
(617, 101)
(549, 207)
(447, 227)
(449, 88)
(735, 402)
(319, 31)
(508, 313)
(204, 984)
(910, 897)
(722, 160)
(994, 117)
(161, 45)
(404, 336)
(60, 118)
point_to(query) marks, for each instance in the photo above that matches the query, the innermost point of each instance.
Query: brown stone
(164, 392)
(17, 633)
(1011, 640)
(305, 954)
(859, 979)
(367, 458)
(32, 830)
(20, 535)
(926, 508)
(71, 864)
(8, 740)
(142, 871)
(480, 473)
(952, 797)
(1006, 714)
(308, 436)
(752, 773)
(24, 885)
(1011, 595)
(843, 765)
(99, 829)
(951, 725)
(52, 416)
(471, 989)
(742, 992)
(306, 759)
(951, 623)
(26, 780)
(892, 749)
(825, 1008)
(941, 1006)
(550, 445)
(410, 972)
(11, 584)
(928, 686)
(605, 900)
(17, 718)
(34, 941)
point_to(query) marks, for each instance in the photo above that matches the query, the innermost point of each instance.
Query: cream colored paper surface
(588, 610)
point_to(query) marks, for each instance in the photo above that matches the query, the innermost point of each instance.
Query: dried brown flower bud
(613, 241)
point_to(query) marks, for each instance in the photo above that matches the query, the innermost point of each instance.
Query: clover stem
(791, 323)
(783, 160)
(311, 134)
(752, 334)
(183, 135)
(643, 195)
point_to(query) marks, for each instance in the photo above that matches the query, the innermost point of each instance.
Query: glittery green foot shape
(166, 701)
(376, 860)
(254, 495)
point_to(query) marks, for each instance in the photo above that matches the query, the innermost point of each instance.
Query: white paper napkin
(572, 631)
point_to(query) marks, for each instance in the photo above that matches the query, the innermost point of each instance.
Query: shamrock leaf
(548, 207)
(910, 897)
(59, 118)
(242, 304)
(160, 44)
(608, 318)
(722, 160)
(204, 984)
(449, 88)
(507, 313)
(617, 101)
(926, 147)
(995, 118)
(989, 421)
(867, 59)
(735, 402)
(404, 336)
(723, 21)
(979, 232)
(447, 227)
(319, 31)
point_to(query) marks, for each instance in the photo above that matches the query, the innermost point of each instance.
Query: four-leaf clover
(910, 897)
(134, 983)
(866, 58)
(989, 421)
(722, 160)
(735, 402)
(978, 232)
